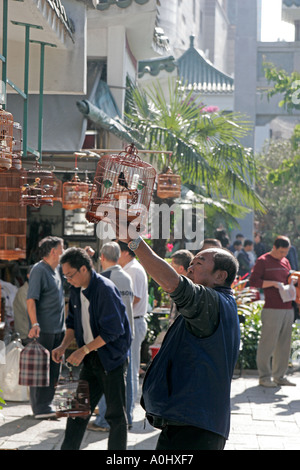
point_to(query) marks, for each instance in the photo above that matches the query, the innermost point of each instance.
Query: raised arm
(157, 268)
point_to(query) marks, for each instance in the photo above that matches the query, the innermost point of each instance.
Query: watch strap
(134, 244)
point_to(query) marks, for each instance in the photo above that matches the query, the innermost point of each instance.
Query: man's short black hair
(182, 258)
(47, 243)
(282, 242)
(124, 247)
(77, 257)
(225, 261)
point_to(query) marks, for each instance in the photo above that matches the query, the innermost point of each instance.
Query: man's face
(178, 267)
(201, 269)
(57, 252)
(73, 275)
(280, 253)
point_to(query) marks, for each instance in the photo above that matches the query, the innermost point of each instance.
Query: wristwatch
(134, 244)
(86, 349)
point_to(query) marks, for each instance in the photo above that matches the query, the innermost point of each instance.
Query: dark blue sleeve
(111, 314)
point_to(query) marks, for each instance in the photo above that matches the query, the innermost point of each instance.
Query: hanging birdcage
(6, 139)
(122, 187)
(72, 398)
(168, 185)
(39, 187)
(76, 193)
(17, 146)
(13, 217)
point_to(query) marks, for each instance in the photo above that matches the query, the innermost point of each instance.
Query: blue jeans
(112, 384)
(100, 420)
(41, 397)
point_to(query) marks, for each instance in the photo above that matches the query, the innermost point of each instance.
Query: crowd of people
(186, 388)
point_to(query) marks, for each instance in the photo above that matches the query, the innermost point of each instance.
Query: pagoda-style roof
(291, 3)
(291, 10)
(105, 4)
(198, 73)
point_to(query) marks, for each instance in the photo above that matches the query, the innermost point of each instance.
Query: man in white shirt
(140, 303)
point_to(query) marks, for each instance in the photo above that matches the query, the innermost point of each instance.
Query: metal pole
(41, 102)
(26, 81)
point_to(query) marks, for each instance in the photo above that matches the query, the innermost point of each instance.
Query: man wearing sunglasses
(97, 319)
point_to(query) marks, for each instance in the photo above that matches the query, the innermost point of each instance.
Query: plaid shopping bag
(34, 365)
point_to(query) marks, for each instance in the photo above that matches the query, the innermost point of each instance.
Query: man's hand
(34, 332)
(57, 354)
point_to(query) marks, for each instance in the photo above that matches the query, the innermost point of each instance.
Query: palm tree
(206, 149)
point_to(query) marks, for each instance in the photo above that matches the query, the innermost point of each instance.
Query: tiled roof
(291, 3)
(155, 66)
(60, 11)
(105, 4)
(198, 73)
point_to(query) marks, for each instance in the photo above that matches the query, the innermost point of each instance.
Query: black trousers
(189, 438)
(112, 384)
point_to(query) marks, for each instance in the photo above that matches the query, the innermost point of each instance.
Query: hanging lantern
(6, 139)
(168, 185)
(13, 217)
(75, 193)
(123, 187)
(39, 187)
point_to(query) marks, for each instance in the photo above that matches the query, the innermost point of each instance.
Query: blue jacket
(108, 319)
(189, 379)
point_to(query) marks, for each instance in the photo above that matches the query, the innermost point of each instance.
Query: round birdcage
(168, 185)
(13, 217)
(122, 187)
(76, 193)
(72, 398)
(39, 187)
(6, 139)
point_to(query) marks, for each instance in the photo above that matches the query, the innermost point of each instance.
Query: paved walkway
(262, 419)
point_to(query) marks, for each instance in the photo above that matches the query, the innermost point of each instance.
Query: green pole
(26, 81)
(41, 101)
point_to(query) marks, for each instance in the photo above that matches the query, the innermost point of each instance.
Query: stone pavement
(262, 419)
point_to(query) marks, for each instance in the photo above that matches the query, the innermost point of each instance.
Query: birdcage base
(107, 213)
(36, 201)
(12, 255)
(168, 193)
(72, 414)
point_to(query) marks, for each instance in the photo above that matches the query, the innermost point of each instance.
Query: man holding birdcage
(97, 319)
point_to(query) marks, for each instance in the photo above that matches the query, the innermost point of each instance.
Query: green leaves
(206, 149)
(284, 84)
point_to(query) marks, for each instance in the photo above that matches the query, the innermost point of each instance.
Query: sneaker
(51, 415)
(268, 383)
(284, 381)
(94, 427)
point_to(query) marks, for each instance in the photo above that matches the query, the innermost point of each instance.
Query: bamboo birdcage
(72, 398)
(122, 187)
(13, 217)
(168, 185)
(17, 146)
(76, 193)
(6, 139)
(39, 187)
